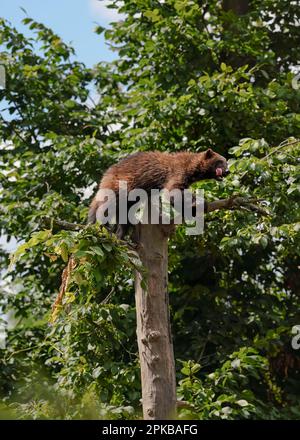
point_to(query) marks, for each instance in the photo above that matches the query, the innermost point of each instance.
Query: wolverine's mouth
(219, 173)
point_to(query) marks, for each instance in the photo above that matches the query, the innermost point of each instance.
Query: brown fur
(156, 170)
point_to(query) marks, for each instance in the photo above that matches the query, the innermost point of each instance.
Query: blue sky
(73, 20)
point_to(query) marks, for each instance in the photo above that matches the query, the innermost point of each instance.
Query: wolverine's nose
(226, 172)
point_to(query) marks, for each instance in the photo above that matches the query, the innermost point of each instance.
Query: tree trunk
(240, 7)
(153, 324)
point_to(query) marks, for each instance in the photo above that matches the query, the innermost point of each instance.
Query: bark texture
(153, 325)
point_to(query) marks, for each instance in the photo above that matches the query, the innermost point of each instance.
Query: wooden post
(153, 324)
(152, 309)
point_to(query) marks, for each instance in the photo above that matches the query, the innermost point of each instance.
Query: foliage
(188, 75)
(235, 390)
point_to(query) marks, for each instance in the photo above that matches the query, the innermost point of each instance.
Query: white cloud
(99, 8)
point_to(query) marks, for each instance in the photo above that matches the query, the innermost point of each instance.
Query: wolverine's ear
(209, 153)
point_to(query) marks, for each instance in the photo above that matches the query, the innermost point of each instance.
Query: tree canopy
(189, 75)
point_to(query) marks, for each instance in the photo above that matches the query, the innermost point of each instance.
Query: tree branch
(282, 145)
(67, 226)
(237, 202)
(62, 224)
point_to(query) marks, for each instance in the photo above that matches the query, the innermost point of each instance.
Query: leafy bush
(188, 76)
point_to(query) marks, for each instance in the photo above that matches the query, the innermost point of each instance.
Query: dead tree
(152, 308)
(153, 325)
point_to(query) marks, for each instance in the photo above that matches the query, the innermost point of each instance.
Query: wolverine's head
(213, 165)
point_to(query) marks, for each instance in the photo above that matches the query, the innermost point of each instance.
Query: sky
(73, 20)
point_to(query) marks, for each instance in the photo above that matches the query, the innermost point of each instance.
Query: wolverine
(157, 170)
